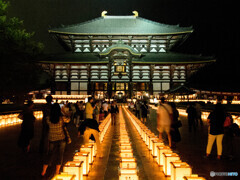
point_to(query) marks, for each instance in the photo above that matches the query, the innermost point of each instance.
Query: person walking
(144, 112)
(81, 110)
(138, 109)
(105, 108)
(198, 108)
(164, 120)
(114, 110)
(96, 111)
(44, 136)
(56, 138)
(27, 127)
(77, 114)
(90, 127)
(216, 121)
(175, 134)
(228, 139)
(191, 111)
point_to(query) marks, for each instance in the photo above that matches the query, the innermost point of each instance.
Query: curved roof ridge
(81, 23)
(162, 24)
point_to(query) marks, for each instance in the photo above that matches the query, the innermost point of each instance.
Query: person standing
(228, 139)
(138, 109)
(105, 109)
(81, 110)
(56, 138)
(27, 127)
(96, 111)
(144, 111)
(114, 110)
(216, 121)
(164, 120)
(198, 114)
(191, 111)
(175, 134)
(90, 127)
(77, 114)
(46, 112)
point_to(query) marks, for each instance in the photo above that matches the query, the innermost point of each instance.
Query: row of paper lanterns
(83, 160)
(128, 164)
(12, 119)
(170, 162)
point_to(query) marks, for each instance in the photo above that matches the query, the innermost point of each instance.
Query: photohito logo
(212, 173)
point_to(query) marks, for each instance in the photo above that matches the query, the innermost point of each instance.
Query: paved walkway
(192, 148)
(16, 165)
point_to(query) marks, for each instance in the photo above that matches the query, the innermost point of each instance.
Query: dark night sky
(214, 21)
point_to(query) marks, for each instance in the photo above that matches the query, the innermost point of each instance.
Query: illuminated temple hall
(120, 56)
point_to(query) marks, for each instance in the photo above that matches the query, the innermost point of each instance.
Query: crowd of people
(54, 135)
(87, 117)
(221, 126)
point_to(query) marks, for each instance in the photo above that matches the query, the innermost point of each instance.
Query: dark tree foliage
(19, 71)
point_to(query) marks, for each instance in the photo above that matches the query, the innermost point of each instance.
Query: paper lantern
(161, 149)
(126, 153)
(94, 147)
(88, 148)
(168, 158)
(156, 142)
(83, 156)
(128, 173)
(64, 176)
(179, 170)
(74, 167)
(124, 141)
(125, 146)
(193, 177)
(151, 138)
(128, 162)
(124, 138)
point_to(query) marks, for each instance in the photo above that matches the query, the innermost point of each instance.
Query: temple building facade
(120, 56)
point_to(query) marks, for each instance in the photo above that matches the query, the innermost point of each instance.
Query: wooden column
(149, 43)
(151, 77)
(172, 67)
(90, 43)
(53, 83)
(89, 87)
(130, 87)
(109, 85)
(69, 79)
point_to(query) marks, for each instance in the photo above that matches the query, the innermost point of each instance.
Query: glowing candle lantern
(128, 162)
(161, 149)
(149, 134)
(64, 176)
(127, 173)
(74, 167)
(94, 147)
(156, 142)
(1, 121)
(151, 138)
(88, 148)
(168, 158)
(83, 156)
(193, 177)
(125, 146)
(143, 135)
(179, 170)
(126, 153)
(124, 141)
